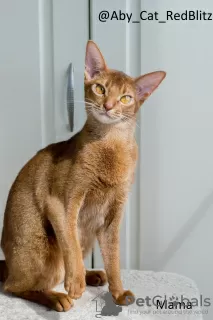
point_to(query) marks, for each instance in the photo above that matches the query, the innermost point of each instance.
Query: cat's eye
(99, 89)
(126, 99)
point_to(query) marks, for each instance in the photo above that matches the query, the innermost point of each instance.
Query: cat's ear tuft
(147, 83)
(94, 61)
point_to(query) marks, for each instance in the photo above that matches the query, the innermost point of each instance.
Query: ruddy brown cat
(73, 191)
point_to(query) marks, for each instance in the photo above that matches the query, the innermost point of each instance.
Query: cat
(74, 191)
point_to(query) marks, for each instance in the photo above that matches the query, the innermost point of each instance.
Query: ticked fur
(72, 192)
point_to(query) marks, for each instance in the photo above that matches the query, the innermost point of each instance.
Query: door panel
(38, 41)
(20, 99)
(70, 34)
(119, 42)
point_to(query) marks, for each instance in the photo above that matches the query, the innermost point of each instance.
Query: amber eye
(126, 99)
(99, 89)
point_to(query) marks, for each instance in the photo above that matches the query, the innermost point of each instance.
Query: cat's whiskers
(92, 107)
(128, 119)
(115, 115)
(87, 102)
(91, 101)
(89, 105)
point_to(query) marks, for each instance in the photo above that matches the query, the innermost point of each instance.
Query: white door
(39, 38)
(22, 127)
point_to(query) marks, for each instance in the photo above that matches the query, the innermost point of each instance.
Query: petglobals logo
(104, 305)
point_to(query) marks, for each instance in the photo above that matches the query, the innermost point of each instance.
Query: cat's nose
(108, 106)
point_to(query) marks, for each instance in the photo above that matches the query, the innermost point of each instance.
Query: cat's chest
(94, 210)
(96, 206)
(112, 164)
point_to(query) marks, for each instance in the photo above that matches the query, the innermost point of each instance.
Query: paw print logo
(173, 298)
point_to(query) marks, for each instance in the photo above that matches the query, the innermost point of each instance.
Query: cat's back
(34, 181)
(46, 160)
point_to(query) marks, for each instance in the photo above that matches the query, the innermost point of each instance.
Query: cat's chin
(104, 118)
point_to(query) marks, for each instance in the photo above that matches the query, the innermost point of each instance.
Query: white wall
(176, 149)
(172, 199)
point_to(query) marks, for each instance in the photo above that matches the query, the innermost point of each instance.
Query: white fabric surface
(142, 283)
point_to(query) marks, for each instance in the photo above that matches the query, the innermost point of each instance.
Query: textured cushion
(96, 302)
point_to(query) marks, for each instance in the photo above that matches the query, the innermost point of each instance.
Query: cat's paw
(75, 285)
(126, 298)
(96, 278)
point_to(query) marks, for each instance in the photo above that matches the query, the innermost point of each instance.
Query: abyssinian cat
(73, 191)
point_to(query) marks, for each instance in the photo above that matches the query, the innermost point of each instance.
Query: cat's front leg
(74, 282)
(75, 272)
(108, 238)
(64, 222)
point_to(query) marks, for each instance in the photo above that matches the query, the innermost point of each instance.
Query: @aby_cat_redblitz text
(163, 17)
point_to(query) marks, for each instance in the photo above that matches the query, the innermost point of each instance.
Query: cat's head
(112, 96)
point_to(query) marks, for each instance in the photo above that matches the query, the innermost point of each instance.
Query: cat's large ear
(94, 61)
(147, 83)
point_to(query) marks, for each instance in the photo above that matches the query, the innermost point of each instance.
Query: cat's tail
(3, 271)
